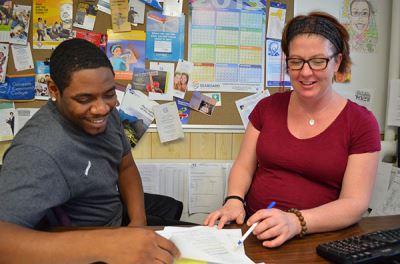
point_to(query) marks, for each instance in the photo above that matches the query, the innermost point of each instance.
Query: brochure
(183, 109)
(42, 74)
(126, 51)
(136, 12)
(91, 36)
(136, 113)
(165, 37)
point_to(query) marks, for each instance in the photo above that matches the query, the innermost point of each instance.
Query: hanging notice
(226, 45)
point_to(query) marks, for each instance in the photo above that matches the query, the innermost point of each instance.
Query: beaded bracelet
(302, 221)
(233, 197)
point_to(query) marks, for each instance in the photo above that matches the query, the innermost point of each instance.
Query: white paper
(173, 181)
(22, 115)
(206, 185)
(381, 186)
(276, 21)
(169, 126)
(393, 112)
(392, 204)
(150, 177)
(172, 7)
(207, 244)
(246, 104)
(104, 6)
(22, 56)
(162, 46)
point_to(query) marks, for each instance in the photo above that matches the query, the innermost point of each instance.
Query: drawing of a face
(66, 13)
(359, 15)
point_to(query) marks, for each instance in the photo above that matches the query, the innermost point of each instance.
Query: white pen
(250, 230)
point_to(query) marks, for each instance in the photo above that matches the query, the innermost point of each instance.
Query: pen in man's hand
(241, 240)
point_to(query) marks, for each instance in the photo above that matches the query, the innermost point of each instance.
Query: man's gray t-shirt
(52, 162)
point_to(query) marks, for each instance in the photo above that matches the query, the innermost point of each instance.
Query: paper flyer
(52, 23)
(42, 70)
(126, 51)
(165, 37)
(169, 126)
(86, 13)
(7, 121)
(119, 15)
(136, 113)
(4, 48)
(20, 24)
(183, 110)
(136, 12)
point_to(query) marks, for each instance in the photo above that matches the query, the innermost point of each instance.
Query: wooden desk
(303, 250)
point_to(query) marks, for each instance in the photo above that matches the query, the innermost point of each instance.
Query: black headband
(315, 25)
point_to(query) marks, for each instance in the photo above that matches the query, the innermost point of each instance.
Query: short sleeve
(30, 184)
(365, 134)
(257, 113)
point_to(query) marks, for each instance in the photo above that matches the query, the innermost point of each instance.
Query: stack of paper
(202, 243)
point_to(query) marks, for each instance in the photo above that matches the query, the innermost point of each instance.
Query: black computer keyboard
(377, 247)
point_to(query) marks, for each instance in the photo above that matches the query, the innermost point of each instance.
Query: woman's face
(359, 16)
(308, 83)
(177, 78)
(184, 79)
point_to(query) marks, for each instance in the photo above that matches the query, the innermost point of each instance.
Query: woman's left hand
(275, 226)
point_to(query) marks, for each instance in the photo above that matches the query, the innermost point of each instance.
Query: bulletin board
(225, 115)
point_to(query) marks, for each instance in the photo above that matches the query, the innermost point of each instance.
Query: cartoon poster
(359, 17)
(52, 23)
(20, 24)
(126, 51)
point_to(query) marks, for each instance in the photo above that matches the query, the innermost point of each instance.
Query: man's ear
(53, 89)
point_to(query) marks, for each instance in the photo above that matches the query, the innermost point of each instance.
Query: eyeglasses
(360, 14)
(316, 64)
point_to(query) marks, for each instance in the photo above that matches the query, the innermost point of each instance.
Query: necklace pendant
(311, 122)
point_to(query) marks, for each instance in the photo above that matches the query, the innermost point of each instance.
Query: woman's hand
(274, 226)
(232, 210)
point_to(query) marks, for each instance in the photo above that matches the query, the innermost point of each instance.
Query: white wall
(369, 71)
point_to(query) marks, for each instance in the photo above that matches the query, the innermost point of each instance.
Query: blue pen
(241, 240)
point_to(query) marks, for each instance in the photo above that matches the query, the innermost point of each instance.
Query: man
(73, 158)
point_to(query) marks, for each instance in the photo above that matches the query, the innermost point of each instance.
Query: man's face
(66, 13)
(89, 99)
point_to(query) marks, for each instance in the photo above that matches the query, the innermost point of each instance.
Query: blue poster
(165, 37)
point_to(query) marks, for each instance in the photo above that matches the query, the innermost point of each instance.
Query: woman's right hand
(232, 210)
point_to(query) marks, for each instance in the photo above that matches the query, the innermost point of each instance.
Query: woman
(310, 150)
(184, 82)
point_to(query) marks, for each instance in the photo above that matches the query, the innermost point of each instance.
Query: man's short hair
(74, 55)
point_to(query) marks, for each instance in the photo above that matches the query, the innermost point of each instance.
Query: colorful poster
(164, 37)
(20, 24)
(52, 23)
(126, 51)
(227, 45)
(18, 88)
(183, 110)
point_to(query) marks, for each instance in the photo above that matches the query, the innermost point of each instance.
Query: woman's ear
(338, 61)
